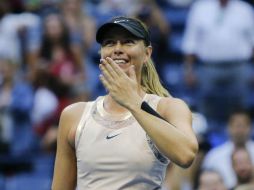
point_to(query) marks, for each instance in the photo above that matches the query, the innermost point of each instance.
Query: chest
(122, 149)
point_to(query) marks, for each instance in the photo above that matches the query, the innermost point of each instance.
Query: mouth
(120, 61)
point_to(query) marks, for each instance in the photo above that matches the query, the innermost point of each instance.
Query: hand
(122, 87)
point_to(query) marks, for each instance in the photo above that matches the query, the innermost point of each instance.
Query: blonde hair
(150, 80)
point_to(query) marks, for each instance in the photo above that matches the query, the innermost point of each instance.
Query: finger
(117, 69)
(106, 73)
(104, 82)
(109, 68)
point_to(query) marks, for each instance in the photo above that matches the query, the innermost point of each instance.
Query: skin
(211, 181)
(122, 81)
(242, 166)
(239, 128)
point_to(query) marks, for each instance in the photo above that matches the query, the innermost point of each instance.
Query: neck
(111, 106)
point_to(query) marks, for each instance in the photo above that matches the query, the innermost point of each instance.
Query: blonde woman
(125, 139)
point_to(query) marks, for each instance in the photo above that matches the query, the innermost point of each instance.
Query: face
(239, 128)
(211, 181)
(242, 166)
(53, 27)
(125, 49)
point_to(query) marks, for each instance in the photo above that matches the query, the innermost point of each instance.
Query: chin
(124, 67)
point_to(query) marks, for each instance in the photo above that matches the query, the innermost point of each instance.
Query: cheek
(138, 55)
(103, 53)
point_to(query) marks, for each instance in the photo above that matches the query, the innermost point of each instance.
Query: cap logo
(122, 20)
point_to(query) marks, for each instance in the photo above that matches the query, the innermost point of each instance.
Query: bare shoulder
(73, 112)
(70, 118)
(171, 104)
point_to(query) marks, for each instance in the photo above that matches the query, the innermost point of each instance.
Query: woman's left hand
(122, 87)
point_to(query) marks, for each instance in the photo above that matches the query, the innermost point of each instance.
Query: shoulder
(171, 104)
(72, 111)
(70, 116)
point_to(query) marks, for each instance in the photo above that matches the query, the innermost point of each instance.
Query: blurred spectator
(219, 158)
(16, 99)
(57, 54)
(50, 98)
(220, 36)
(73, 16)
(82, 29)
(211, 180)
(11, 28)
(159, 29)
(6, 81)
(242, 166)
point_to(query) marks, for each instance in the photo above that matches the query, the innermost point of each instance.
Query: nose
(118, 48)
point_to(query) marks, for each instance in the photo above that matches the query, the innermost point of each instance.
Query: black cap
(130, 24)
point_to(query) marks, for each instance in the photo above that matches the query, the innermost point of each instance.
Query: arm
(65, 170)
(175, 138)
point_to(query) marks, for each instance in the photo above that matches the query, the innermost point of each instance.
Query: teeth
(120, 61)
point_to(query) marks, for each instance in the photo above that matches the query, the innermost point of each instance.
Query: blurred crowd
(203, 50)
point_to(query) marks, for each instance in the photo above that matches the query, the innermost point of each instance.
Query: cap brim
(102, 30)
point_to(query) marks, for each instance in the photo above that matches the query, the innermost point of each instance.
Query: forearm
(175, 145)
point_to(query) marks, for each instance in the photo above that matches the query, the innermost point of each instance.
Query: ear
(148, 53)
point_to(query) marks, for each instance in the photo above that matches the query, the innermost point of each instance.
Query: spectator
(57, 55)
(242, 166)
(82, 29)
(153, 17)
(219, 158)
(6, 124)
(220, 36)
(211, 180)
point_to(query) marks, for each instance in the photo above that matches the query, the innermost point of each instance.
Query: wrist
(136, 105)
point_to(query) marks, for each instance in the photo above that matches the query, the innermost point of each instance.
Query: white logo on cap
(122, 20)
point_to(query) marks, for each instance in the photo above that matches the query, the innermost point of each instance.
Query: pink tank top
(115, 153)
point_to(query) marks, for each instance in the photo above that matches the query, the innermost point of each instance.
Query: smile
(120, 61)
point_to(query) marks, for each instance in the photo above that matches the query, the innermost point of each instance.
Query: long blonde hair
(150, 80)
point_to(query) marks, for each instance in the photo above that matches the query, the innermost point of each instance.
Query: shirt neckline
(110, 116)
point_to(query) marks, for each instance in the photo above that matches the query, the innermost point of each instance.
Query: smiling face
(125, 49)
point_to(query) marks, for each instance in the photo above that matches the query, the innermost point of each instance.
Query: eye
(129, 41)
(108, 42)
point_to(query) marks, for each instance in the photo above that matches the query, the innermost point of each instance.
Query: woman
(113, 143)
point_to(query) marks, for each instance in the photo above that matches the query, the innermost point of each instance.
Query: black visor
(130, 24)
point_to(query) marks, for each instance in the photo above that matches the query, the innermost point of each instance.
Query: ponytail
(150, 80)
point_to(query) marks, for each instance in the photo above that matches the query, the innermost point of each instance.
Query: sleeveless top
(114, 152)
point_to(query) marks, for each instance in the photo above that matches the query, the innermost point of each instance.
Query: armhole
(154, 102)
(82, 121)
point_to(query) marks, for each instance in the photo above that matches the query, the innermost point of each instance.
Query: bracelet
(145, 106)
